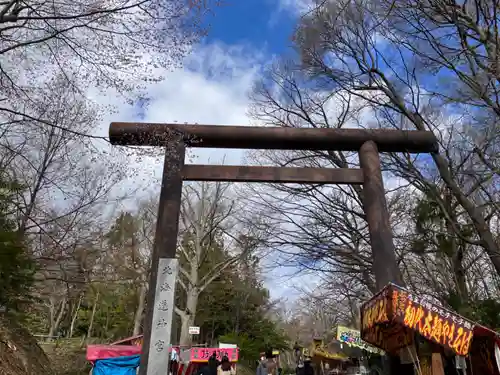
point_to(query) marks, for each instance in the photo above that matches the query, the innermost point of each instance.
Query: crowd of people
(269, 366)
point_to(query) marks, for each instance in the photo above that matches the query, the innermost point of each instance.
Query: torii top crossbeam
(279, 138)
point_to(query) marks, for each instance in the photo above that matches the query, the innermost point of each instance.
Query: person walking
(271, 366)
(225, 367)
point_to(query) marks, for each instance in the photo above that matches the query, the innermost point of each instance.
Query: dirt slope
(20, 353)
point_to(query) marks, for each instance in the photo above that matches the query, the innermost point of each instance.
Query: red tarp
(102, 351)
(95, 352)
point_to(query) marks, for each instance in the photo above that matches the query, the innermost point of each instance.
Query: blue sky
(264, 24)
(256, 27)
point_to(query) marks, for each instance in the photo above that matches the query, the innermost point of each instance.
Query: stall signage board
(433, 322)
(389, 337)
(352, 337)
(395, 310)
(203, 354)
(375, 311)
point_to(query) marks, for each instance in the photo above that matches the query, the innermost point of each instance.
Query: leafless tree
(99, 45)
(68, 190)
(318, 228)
(206, 222)
(396, 56)
(128, 253)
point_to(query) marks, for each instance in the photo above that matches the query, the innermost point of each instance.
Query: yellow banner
(352, 337)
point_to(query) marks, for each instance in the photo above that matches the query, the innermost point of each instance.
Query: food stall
(365, 358)
(323, 357)
(437, 340)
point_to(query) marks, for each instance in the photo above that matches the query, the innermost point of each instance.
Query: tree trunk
(212, 332)
(54, 323)
(187, 319)
(94, 309)
(140, 310)
(75, 316)
(457, 250)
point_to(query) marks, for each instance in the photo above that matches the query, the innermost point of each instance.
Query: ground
(20, 353)
(67, 356)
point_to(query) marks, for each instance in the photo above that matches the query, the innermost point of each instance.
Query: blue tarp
(126, 365)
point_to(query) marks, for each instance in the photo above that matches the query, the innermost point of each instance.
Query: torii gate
(176, 137)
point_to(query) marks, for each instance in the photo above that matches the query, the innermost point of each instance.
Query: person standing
(174, 361)
(261, 367)
(213, 364)
(225, 367)
(271, 366)
(308, 368)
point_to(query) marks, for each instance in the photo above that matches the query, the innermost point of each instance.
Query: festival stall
(123, 357)
(198, 357)
(119, 358)
(433, 339)
(324, 357)
(364, 357)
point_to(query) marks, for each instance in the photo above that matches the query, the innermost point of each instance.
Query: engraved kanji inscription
(165, 287)
(160, 345)
(163, 305)
(167, 270)
(161, 323)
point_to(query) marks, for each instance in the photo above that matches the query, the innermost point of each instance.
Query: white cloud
(296, 7)
(212, 88)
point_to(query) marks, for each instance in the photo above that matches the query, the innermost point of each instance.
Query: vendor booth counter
(395, 319)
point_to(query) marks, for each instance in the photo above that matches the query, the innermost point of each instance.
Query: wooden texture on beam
(195, 172)
(278, 138)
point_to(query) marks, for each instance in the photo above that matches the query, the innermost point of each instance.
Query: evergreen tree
(16, 267)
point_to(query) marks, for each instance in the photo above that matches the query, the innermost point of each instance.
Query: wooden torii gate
(176, 137)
